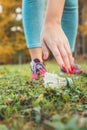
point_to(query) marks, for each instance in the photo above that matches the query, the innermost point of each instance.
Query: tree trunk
(82, 49)
(20, 57)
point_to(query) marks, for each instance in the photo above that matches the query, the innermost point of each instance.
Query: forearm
(54, 11)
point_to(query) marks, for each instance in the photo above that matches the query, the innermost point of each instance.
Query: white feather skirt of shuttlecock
(54, 81)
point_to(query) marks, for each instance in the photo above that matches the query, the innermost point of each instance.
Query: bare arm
(54, 10)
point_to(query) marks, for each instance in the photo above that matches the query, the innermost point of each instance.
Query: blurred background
(12, 40)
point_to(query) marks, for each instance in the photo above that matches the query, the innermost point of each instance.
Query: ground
(33, 107)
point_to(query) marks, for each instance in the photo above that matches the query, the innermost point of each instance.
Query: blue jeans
(33, 15)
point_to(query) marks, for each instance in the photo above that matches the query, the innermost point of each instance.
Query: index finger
(57, 55)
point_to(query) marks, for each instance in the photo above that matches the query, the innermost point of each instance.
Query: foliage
(33, 107)
(12, 38)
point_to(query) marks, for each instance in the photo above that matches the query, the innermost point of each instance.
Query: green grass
(32, 107)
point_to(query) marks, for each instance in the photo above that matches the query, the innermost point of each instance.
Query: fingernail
(70, 71)
(45, 57)
(72, 68)
(63, 67)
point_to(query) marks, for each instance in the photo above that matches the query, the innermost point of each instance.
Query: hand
(54, 38)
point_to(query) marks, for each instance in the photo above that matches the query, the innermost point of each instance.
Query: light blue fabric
(33, 15)
(70, 21)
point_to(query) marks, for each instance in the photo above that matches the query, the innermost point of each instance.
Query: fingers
(63, 56)
(58, 58)
(65, 59)
(57, 55)
(45, 50)
(69, 53)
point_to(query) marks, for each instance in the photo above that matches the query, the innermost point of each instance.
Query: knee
(71, 3)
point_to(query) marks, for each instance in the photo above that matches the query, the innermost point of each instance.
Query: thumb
(45, 51)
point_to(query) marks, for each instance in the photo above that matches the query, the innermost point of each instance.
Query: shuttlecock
(54, 81)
